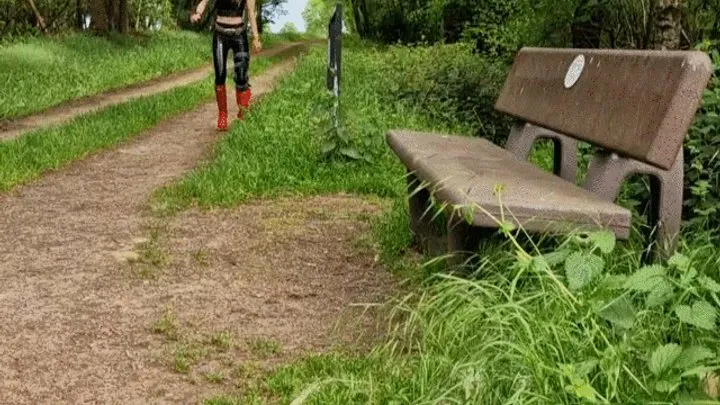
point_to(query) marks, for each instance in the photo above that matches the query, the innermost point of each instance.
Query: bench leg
(605, 176)
(666, 191)
(463, 240)
(427, 233)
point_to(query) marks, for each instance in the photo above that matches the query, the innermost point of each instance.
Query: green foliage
(146, 13)
(523, 334)
(317, 15)
(702, 159)
(451, 85)
(289, 28)
(84, 65)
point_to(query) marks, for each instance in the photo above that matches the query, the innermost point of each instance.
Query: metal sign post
(334, 62)
(335, 50)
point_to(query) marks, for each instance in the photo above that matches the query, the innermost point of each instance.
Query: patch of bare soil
(67, 111)
(244, 290)
(81, 324)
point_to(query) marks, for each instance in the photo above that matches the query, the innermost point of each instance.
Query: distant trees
(23, 17)
(497, 26)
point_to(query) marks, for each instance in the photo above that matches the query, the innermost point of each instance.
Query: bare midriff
(230, 20)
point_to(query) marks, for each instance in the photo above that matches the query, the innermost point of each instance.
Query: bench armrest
(523, 137)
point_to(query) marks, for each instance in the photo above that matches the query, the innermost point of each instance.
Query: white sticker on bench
(574, 72)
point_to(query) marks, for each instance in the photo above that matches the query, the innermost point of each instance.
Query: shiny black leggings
(222, 44)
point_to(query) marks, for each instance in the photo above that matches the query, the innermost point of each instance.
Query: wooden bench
(635, 107)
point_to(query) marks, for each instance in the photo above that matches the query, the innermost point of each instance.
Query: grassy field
(576, 320)
(42, 72)
(26, 158)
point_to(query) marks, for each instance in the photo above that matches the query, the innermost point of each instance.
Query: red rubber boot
(221, 99)
(243, 102)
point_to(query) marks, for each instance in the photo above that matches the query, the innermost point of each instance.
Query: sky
(294, 10)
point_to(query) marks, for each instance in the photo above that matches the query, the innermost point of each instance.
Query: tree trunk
(123, 16)
(79, 17)
(39, 18)
(359, 15)
(667, 24)
(100, 15)
(587, 25)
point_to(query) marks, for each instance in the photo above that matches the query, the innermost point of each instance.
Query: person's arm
(252, 16)
(199, 10)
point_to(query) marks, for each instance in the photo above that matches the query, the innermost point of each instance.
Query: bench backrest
(639, 104)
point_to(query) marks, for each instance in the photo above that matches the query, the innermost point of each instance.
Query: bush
(702, 157)
(451, 85)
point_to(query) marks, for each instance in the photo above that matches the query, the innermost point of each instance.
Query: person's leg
(241, 58)
(220, 51)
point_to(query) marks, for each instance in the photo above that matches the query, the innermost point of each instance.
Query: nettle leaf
(663, 358)
(646, 278)
(468, 213)
(679, 261)
(539, 264)
(692, 356)
(614, 282)
(663, 292)
(328, 147)
(556, 257)
(619, 312)
(667, 386)
(708, 284)
(585, 391)
(352, 153)
(506, 227)
(584, 368)
(701, 315)
(582, 268)
(603, 240)
(687, 277)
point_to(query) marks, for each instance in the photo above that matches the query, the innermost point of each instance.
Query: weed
(264, 347)
(201, 257)
(222, 341)
(215, 378)
(166, 325)
(152, 257)
(186, 354)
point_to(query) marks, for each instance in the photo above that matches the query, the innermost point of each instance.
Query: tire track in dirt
(75, 320)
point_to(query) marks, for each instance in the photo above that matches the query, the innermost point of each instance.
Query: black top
(230, 8)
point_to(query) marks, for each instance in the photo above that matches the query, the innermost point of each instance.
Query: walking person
(230, 33)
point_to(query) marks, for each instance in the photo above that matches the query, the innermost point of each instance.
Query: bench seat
(464, 171)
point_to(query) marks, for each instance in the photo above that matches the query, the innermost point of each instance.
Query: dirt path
(242, 289)
(67, 111)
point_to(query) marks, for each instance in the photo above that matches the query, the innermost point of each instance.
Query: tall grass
(583, 322)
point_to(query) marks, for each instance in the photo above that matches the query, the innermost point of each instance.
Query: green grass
(572, 320)
(26, 158)
(38, 73)
(264, 347)
(276, 151)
